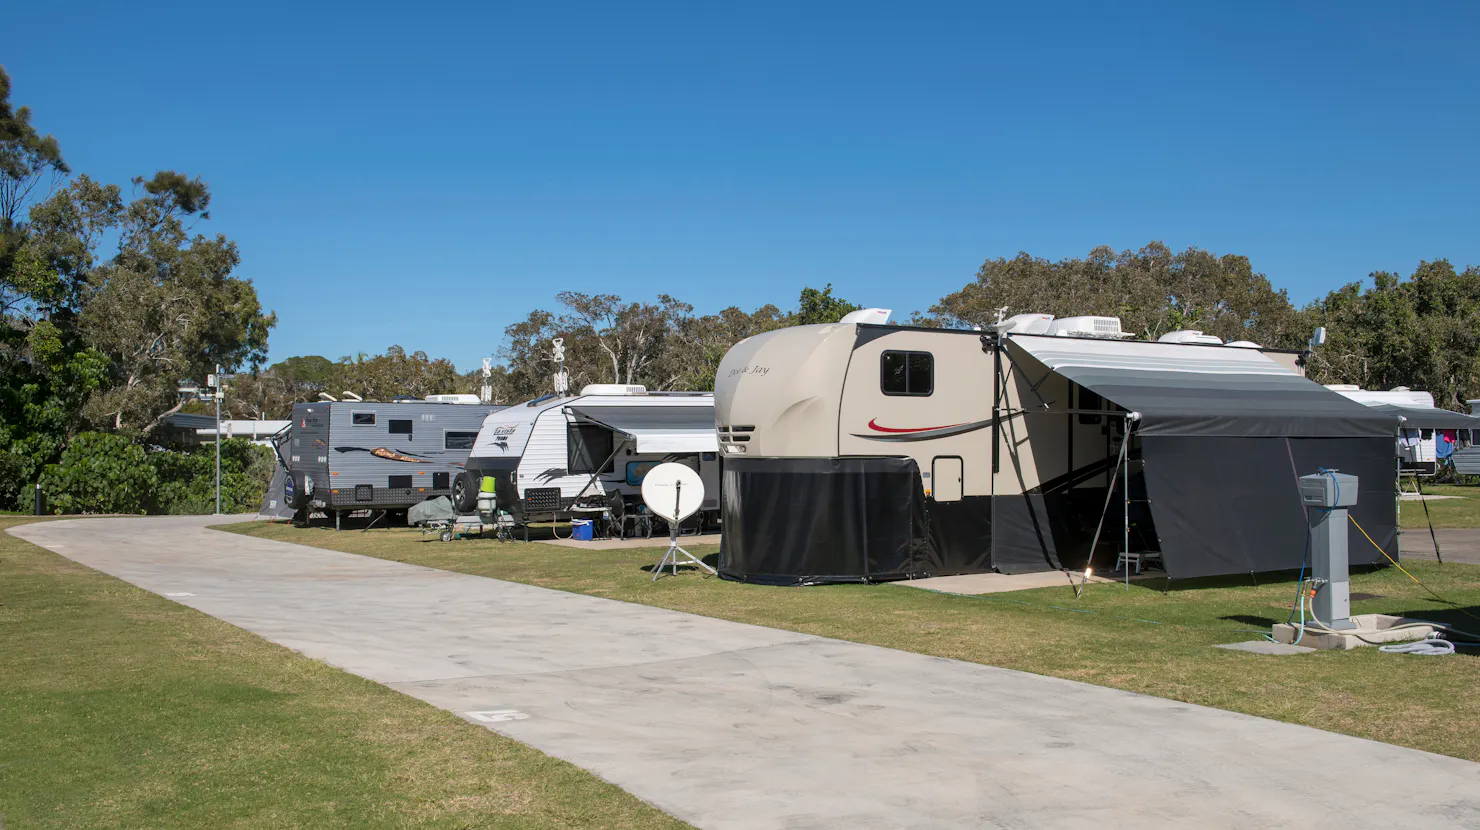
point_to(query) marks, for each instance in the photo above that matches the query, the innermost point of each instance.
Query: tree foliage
(1422, 332)
(1153, 291)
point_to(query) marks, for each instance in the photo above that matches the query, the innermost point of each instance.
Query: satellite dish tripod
(674, 549)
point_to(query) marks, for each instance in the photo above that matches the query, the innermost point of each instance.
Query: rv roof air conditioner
(1343, 387)
(613, 389)
(1190, 336)
(1025, 324)
(1103, 328)
(465, 399)
(876, 316)
(1243, 344)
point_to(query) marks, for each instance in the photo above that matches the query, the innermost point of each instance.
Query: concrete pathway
(1457, 544)
(733, 726)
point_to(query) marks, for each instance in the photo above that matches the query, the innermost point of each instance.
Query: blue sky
(424, 174)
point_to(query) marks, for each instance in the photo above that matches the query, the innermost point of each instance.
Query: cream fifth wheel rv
(357, 455)
(870, 452)
(555, 453)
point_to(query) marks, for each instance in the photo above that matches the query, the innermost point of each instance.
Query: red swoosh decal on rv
(896, 434)
(874, 425)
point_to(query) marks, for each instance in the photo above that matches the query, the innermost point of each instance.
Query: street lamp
(217, 389)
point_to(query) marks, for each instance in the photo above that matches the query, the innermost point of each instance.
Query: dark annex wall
(1232, 505)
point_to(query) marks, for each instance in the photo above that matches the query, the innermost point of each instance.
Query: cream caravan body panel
(953, 420)
(783, 389)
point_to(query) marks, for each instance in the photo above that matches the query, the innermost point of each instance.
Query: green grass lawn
(1461, 512)
(119, 708)
(1144, 640)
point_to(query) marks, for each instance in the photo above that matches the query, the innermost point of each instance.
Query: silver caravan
(562, 452)
(356, 455)
(858, 452)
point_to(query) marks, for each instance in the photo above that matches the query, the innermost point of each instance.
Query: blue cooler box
(581, 529)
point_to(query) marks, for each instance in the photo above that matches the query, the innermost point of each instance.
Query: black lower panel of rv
(796, 521)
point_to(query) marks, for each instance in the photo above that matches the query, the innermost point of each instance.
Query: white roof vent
(1243, 344)
(876, 316)
(613, 389)
(1189, 336)
(1025, 324)
(1104, 328)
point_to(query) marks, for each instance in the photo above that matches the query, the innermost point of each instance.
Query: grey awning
(1428, 417)
(656, 429)
(1204, 390)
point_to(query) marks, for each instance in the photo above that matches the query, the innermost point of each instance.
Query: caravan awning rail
(1205, 390)
(655, 429)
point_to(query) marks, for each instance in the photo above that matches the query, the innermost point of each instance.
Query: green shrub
(100, 473)
(104, 473)
(187, 479)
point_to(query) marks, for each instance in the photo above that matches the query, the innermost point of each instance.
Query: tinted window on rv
(400, 426)
(459, 440)
(1090, 400)
(586, 446)
(907, 373)
(362, 419)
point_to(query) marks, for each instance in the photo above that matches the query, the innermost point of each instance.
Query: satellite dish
(673, 491)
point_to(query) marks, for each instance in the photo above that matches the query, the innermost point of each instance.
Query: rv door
(946, 478)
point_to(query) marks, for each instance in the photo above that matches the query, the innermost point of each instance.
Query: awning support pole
(1125, 489)
(618, 448)
(996, 446)
(1109, 494)
(1418, 485)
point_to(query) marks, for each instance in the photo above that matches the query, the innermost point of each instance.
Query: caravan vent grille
(1107, 325)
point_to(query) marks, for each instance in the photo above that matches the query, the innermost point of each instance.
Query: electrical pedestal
(1326, 496)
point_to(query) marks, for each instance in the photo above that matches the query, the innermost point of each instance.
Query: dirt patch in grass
(1148, 639)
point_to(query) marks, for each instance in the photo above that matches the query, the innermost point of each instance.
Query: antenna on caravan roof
(562, 380)
(1317, 338)
(485, 395)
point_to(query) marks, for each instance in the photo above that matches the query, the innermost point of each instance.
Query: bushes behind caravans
(104, 473)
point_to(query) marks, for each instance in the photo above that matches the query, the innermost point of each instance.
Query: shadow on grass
(1250, 619)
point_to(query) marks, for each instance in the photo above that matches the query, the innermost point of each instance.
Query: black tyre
(293, 491)
(465, 493)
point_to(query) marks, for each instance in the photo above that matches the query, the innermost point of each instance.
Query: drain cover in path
(1265, 647)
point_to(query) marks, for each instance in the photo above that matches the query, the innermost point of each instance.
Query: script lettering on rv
(750, 370)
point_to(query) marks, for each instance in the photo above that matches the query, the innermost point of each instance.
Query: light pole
(216, 386)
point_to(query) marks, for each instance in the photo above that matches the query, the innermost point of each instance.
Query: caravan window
(458, 440)
(400, 426)
(907, 373)
(1090, 400)
(586, 446)
(362, 419)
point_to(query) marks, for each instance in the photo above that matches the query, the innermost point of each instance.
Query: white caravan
(557, 453)
(1417, 447)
